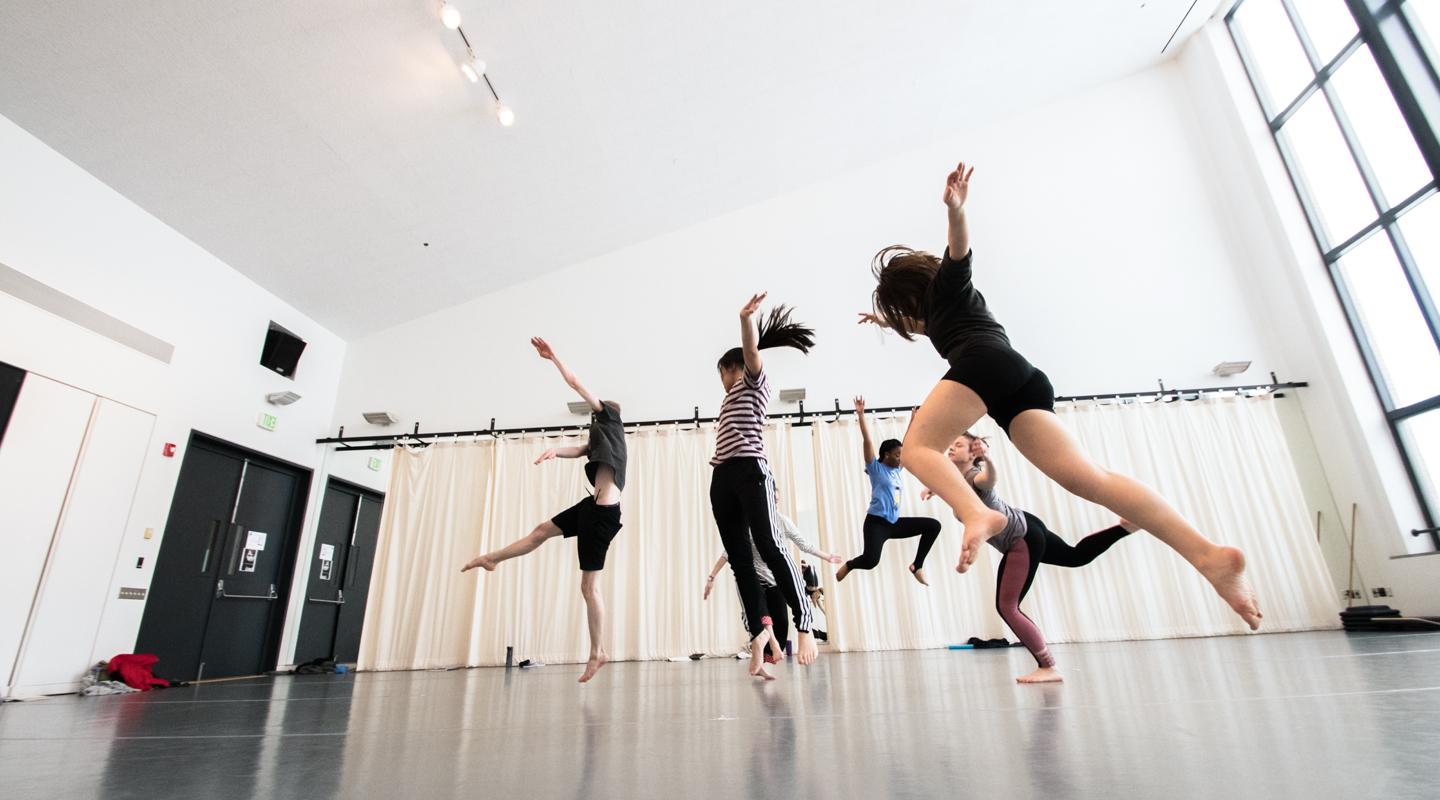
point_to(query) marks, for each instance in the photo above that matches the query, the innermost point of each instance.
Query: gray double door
(339, 579)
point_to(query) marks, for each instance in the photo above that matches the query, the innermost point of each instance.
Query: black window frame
(1385, 28)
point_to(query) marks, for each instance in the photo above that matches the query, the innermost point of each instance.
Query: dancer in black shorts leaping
(594, 521)
(918, 293)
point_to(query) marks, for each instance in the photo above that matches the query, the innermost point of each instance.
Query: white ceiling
(315, 145)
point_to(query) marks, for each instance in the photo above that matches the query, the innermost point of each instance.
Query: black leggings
(742, 496)
(1017, 572)
(772, 605)
(878, 530)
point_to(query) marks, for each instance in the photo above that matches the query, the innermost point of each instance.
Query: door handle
(350, 556)
(236, 546)
(220, 593)
(209, 547)
(339, 602)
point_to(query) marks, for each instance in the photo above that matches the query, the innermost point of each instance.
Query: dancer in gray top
(595, 520)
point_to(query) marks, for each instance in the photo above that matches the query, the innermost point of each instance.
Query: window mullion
(1406, 70)
(1417, 283)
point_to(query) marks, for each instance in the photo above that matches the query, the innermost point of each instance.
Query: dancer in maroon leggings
(1026, 544)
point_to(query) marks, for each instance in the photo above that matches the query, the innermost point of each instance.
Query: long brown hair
(903, 277)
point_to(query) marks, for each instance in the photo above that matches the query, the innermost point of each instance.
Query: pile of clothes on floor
(124, 674)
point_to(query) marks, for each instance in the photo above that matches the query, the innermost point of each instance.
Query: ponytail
(776, 329)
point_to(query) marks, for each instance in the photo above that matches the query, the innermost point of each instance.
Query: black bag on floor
(316, 666)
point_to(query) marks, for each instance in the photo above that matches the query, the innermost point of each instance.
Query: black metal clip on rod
(1425, 531)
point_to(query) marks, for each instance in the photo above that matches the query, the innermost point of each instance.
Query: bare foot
(806, 652)
(989, 524)
(597, 660)
(1041, 675)
(480, 561)
(841, 573)
(1226, 572)
(919, 574)
(757, 655)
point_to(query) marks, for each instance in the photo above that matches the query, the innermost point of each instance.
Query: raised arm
(865, 441)
(546, 352)
(985, 480)
(986, 477)
(749, 337)
(957, 189)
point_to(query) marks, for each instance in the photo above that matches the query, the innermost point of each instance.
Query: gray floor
(1312, 715)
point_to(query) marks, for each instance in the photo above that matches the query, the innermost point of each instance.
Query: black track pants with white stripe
(742, 496)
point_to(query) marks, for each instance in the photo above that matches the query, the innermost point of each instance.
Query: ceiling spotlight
(504, 114)
(281, 398)
(380, 418)
(450, 16)
(1227, 368)
(473, 70)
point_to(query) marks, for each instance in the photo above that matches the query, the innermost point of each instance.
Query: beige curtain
(449, 502)
(1223, 462)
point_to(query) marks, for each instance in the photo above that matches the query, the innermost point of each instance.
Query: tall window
(1353, 99)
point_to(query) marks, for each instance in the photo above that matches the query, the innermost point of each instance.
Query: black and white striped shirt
(742, 417)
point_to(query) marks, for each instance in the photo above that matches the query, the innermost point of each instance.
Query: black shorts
(1005, 381)
(594, 526)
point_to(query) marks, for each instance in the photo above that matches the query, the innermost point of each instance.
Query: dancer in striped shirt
(742, 490)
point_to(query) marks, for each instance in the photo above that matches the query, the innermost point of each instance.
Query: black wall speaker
(282, 351)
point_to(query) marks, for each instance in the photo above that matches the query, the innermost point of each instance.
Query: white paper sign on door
(255, 541)
(327, 552)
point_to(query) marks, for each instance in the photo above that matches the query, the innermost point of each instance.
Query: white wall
(1272, 242)
(1097, 242)
(67, 230)
(1134, 232)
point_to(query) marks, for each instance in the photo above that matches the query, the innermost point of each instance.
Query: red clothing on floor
(134, 670)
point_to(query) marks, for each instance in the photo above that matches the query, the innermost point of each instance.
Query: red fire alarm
(169, 451)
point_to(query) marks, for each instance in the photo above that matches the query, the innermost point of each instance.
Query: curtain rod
(803, 417)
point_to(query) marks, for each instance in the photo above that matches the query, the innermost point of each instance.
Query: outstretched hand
(957, 186)
(860, 405)
(543, 348)
(754, 305)
(710, 584)
(873, 319)
(834, 559)
(546, 456)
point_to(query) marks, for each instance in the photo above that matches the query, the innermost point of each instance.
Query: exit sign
(267, 421)
(375, 464)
